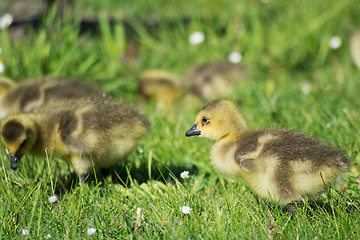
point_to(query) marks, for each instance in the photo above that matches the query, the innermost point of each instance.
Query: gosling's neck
(235, 129)
(33, 133)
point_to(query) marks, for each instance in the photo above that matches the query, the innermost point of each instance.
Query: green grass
(285, 43)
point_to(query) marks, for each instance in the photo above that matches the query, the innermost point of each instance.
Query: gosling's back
(96, 128)
(32, 94)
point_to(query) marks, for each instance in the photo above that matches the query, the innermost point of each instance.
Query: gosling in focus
(35, 93)
(278, 165)
(84, 133)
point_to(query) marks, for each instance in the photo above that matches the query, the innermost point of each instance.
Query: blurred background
(111, 39)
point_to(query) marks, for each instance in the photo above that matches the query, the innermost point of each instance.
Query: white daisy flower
(306, 88)
(335, 42)
(6, 20)
(185, 209)
(25, 231)
(196, 38)
(184, 174)
(235, 57)
(138, 210)
(91, 231)
(53, 199)
(48, 236)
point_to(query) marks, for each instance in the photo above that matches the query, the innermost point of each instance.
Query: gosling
(278, 165)
(84, 133)
(35, 93)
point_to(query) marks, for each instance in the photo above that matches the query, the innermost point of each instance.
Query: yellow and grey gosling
(85, 132)
(159, 85)
(213, 80)
(34, 93)
(278, 165)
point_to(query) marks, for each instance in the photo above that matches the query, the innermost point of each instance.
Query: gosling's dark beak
(15, 160)
(193, 131)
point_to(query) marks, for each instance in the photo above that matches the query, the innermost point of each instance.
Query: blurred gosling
(214, 80)
(29, 95)
(207, 81)
(279, 165)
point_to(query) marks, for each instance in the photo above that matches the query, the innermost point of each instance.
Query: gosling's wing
(28, 95)
(250, 147)
(70, 130)
(6, 85)
(287, 146)
(292, 146)
(24, 96)
(33, 94)
(116, 119)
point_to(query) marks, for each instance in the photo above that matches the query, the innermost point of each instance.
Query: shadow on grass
(124, 174)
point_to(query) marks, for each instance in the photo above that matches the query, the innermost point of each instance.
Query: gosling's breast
(223, 157)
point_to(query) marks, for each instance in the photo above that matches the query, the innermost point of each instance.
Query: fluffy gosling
(32, 94)
(84, 133)
(279, 165)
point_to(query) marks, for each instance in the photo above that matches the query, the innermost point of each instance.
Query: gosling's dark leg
(292, 209)
(82, 178)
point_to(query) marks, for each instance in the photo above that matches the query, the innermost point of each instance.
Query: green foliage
(285, 43)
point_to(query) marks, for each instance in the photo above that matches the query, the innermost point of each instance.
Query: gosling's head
(18, 134)
(217, 120)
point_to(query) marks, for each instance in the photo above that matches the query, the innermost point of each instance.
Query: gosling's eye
(204, 121)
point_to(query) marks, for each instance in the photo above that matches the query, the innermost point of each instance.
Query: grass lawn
(296, 82)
